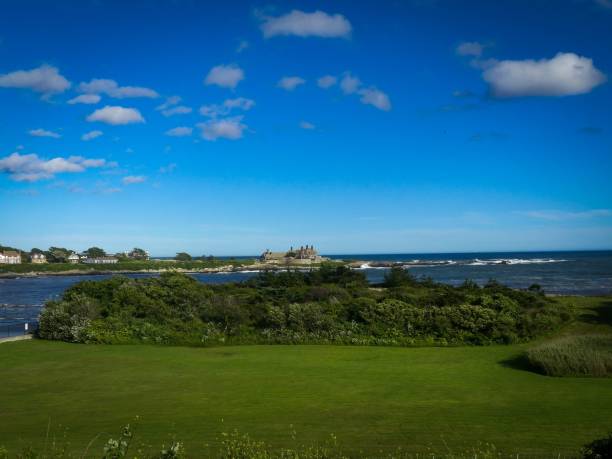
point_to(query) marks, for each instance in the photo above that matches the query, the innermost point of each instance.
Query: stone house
(303, 255)
(38, 258)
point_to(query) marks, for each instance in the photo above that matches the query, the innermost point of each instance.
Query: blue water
(566, 273)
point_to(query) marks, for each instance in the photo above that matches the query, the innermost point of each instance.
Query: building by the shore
(73, 258)
(137, 254)
(305, 255)
(10, 257)
(100, 260)
(38, 258)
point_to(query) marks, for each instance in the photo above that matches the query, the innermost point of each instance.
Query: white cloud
(470, 48)
(560, 215)
(327, 81)
(167, 169)
(180, 131)
(134, 91)
(31, 168)
(225, 128)
(349, 84)
(91, 135)
(44, 79)
(178, 110)
(565, 74)
(110, 190)
(375, 97)
(241, 103)
(301, 24)
(226, 76)
(132, 179)
(116, 115)
(307, 125)
(242, 46)
(215, 110)
(170, 107)
(170, 101)
(290, 83)
(44, 133)
(112, 89)
(85, 99)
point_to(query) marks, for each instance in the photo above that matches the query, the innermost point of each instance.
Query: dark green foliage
(598, 449)
(57, 254)
(95, 252)
(397, 277)
(182, 256)
(333, 304)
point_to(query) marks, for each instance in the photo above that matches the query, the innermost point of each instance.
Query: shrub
(331, 305)
(598, 449)
(586, 355)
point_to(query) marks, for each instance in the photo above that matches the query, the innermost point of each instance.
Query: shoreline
(257, 267)
(228, 269)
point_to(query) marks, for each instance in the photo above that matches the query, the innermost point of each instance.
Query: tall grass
(237, 445)
(582, 355)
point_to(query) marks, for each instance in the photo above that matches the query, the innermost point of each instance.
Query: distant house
(38, 258)
(10, 257)
(101, 260)
(137, 254)
(73, 258)
(270, 257)
(303, 255)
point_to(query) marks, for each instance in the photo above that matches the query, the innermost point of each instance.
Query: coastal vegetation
(124, 265)
(375, 400)
(330, 305)
(237, 445)
(576, 355)
(61, 260)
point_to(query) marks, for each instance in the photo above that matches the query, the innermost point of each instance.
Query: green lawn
(370, 398)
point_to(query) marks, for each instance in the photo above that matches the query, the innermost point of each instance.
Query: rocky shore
(93, 271)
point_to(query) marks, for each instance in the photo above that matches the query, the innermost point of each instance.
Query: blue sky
(440, 127)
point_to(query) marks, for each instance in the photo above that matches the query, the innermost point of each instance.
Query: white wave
(514, 261)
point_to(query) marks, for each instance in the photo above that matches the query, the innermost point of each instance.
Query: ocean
(561, 273)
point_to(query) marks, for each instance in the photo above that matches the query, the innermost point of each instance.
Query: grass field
(371, 398)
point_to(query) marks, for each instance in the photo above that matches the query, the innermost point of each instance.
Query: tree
(398, 276)
(95, 252)
(57, 254)
(182, 256)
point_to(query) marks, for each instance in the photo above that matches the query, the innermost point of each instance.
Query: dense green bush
(598, 449)
(586, 355)
(330, 305)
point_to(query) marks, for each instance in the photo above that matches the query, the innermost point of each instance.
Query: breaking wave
(470, 262)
